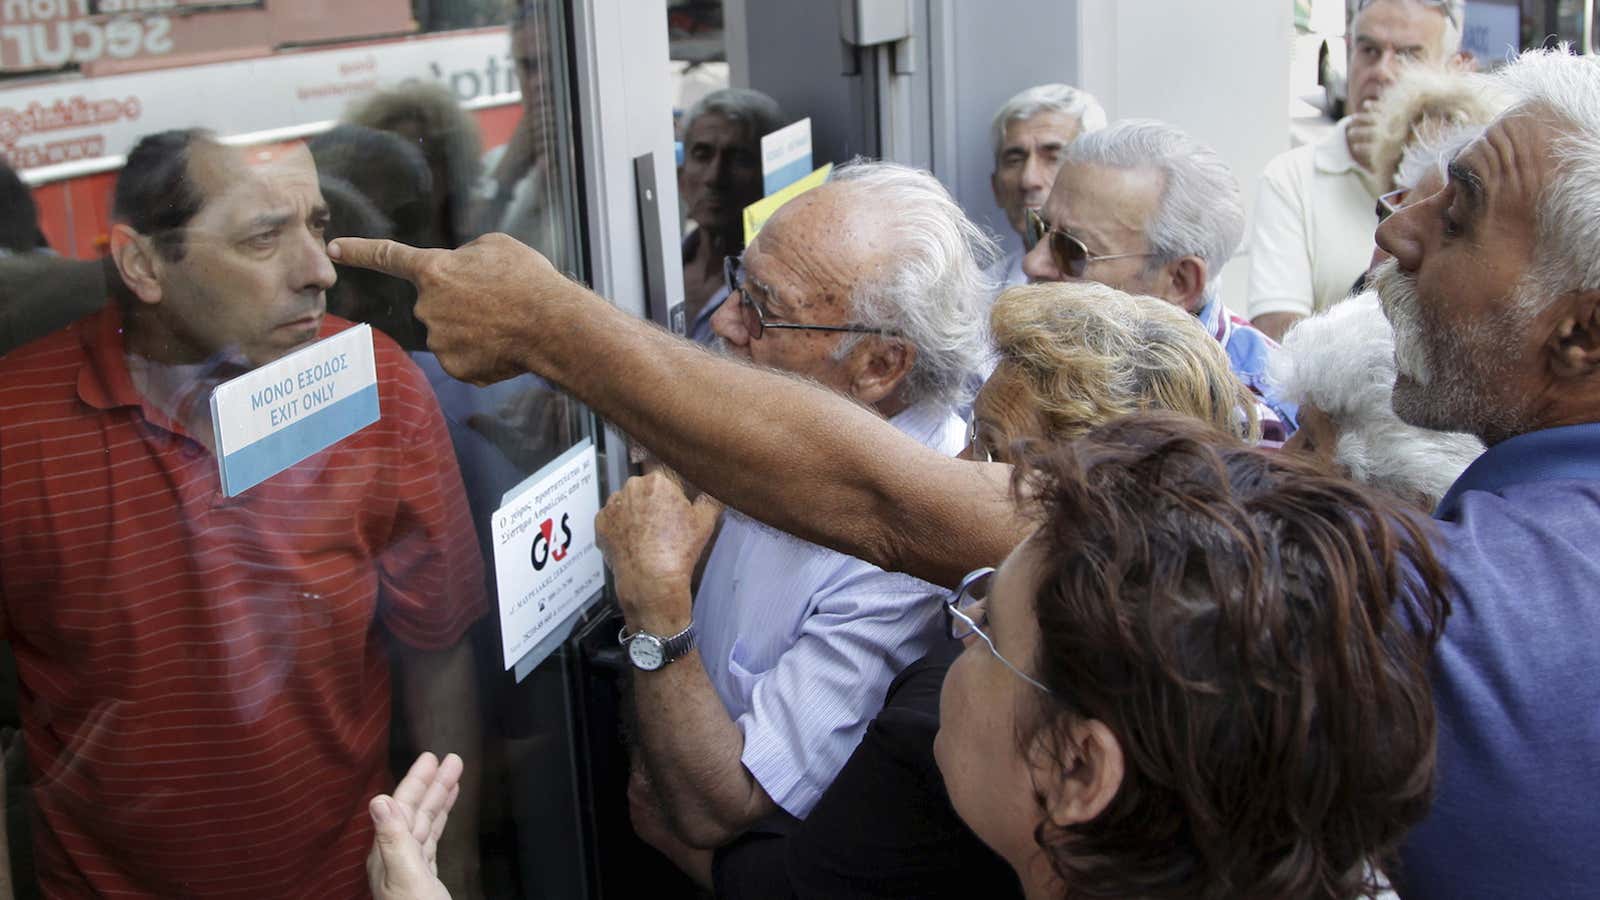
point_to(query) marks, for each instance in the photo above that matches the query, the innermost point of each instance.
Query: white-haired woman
(1339, 366)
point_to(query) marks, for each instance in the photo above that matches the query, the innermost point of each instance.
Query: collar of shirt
(1568, 453)
(104, 382)
(1333, 152)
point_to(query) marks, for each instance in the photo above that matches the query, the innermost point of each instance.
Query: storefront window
(248, 547)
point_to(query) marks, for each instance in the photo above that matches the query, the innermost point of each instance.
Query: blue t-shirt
(1516, 812)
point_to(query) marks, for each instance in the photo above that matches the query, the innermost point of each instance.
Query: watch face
(645, 651)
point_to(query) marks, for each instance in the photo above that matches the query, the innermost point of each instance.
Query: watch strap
(680, 644)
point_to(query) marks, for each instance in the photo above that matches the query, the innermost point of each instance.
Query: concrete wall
(1219, 69)
(999, 48)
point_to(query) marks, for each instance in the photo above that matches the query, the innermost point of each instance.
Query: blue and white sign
(786, 156)
(287, 410)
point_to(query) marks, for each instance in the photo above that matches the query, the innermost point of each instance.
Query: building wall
(1216, 68)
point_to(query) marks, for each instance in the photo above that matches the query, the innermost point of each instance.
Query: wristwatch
(649, 652)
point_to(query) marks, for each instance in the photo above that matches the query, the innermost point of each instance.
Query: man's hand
(1362, 136)
(484, 304)
(1276, 324)
(402, 863)
(652, 537)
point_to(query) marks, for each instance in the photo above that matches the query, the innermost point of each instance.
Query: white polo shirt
(1312, 235)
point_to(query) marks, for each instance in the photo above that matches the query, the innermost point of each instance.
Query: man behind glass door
(1031, 132)
(205, 696)
(720, 176)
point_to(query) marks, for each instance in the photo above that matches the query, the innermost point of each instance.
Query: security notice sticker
(285, 411)
(785, 156)
(546, 564)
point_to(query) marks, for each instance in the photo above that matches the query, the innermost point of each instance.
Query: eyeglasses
(1070, 255)
(967, 613)
(1448, 7)
(755, 318)
(1390, 203)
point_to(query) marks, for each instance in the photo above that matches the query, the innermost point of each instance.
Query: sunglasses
(1069, 254)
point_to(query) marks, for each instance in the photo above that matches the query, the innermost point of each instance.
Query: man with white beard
(1494, 294)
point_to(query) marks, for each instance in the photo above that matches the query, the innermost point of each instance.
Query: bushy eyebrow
(1467, 182)
(267, 222)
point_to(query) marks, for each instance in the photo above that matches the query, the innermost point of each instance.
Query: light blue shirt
(1007, 272)
(801, 642)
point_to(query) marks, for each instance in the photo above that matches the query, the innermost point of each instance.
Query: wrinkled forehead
(1513, 158)
(239, 184)
(1043, 126)
(1092, 196)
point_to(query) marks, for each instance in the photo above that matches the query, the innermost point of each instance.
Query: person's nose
(1038, 264)
(728, 324)
(1036, 175)
(313, 269)
(1401, 236)
(722, 168)
(1388, 68)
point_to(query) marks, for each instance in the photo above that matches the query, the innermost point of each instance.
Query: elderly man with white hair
(1312, 229)
(1494, 293)
(869, 285)
(1338, 367)
(1030, 133)
(1144, 208)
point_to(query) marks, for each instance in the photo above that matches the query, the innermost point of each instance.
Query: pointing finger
(388, 257)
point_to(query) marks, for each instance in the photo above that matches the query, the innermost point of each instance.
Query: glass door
(213, 673)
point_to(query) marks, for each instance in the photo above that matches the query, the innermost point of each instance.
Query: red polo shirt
(205, 692)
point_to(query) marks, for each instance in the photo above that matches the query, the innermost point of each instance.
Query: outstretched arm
(777, 448)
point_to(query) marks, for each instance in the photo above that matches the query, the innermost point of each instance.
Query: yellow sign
(757, 213)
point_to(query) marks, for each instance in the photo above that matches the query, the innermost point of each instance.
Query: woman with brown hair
(1203, 675)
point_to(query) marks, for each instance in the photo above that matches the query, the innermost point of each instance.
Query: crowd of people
(954, 572)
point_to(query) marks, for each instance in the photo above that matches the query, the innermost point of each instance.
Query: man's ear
(137, 263)
(994, 185)
(1184, 282)
(1574, 345)
(1080, 776)
(880, 364)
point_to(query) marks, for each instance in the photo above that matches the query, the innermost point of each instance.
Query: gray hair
(1455, 17)
(1342, 362)
(1567, 223)
(1423, 102)
(752, 109)
(936, 294)
(1201, 211)
(1433, 154)
(1065, 99)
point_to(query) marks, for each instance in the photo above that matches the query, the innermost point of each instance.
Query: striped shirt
(204, 691)
(801, 642)
(1249, 355)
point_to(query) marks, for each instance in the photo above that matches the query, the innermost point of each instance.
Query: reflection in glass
(209, 688)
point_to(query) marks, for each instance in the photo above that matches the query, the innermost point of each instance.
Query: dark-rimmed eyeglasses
(1071, 256)
(755, 318)
(1444, 6)
(968, 612)
(1390, 203)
